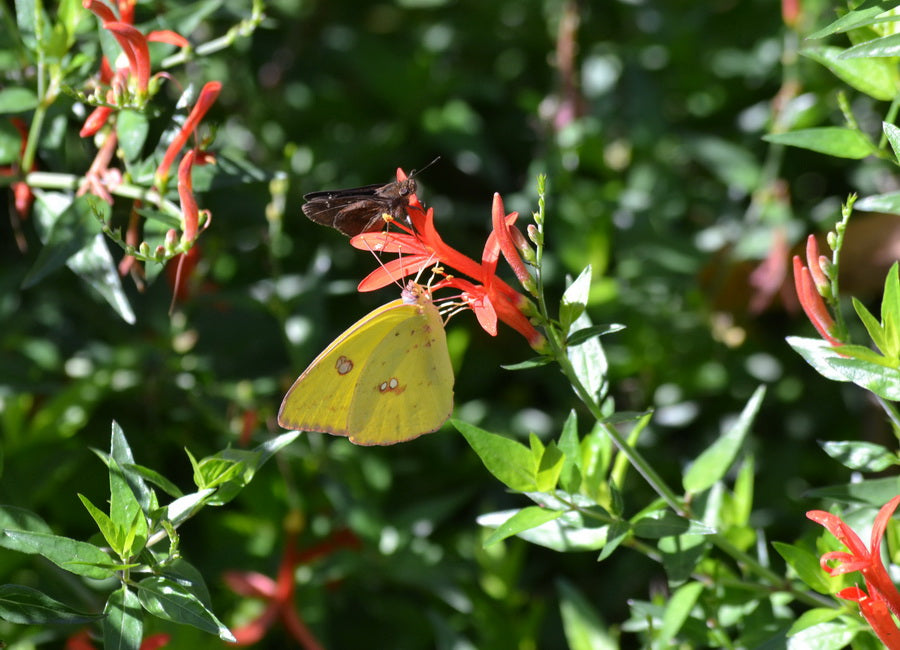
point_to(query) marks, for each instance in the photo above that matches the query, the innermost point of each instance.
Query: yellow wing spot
(343, 365)
(392, 385)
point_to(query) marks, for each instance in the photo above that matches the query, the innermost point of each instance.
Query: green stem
(57, 181)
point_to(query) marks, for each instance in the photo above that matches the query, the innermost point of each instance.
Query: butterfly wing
(406, 387)
(386, 379)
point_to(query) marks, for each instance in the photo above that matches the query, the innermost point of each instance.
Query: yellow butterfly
(385, 380)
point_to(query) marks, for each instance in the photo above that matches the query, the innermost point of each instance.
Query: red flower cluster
(881, 597)
(810, 282)
(280, 592)
(488, 296)
(130, 84)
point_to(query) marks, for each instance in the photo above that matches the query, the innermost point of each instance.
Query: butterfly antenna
(415, 172)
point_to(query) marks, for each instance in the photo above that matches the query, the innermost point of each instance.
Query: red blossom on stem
(208, 95)
(134, 45)
(23, 197)
(280, 592)
(882, 597)
(190, 223)
(808, 281)
(102, 11)
(421, 247)
(100, 176)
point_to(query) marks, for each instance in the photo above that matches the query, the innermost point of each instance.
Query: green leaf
(866, 13)
(575, 298)
(863, 456)
(10, 144)
(807, 568)
(96, 267)
(120, 452)
(65, 233)
(26, 606)
(549, 468)
(886, 46)
(836, 141)
(523, 520)
(589, 361)
(873, 327)
(824, 636)
(14, 518)
(893, 136)
(664, 523)
(582, 335)
(682, 554)
(17, 100)
(111, 533)
(888, 202)
(153, 477)
(884, 382)
(713, 463)
(70, 15)
(582, 624)
(510, 462)
(873, 492)
(570, 446)
(818, 354)
(890, 313)
(874, 77)
(230, 470)
(70, 232)
(76, 557)
(534, 362)
(170, 601)
(132, 128)
(123, 627)
(566, 533)
(125, 512)
(813, 617)
(678, 610)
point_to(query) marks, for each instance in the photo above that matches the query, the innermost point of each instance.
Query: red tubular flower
(208, 95)
(504, 231)
(877, 615)
(868, 562)
(805, 283)
(168, 36)
(280, 592)
(134, 45)
(190, 214)
(101, 10)
(23, 197)
(95, 121)
(126, 11)
(488, 296)
(790, 12)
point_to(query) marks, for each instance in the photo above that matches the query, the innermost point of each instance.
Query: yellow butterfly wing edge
(357, 386)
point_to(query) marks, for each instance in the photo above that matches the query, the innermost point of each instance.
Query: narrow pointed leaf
(712, 464)
(77, 557)
(510, 462)
(171, 601)
(836, 141)
(526, 518)
(123, 627)
(26, 606)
